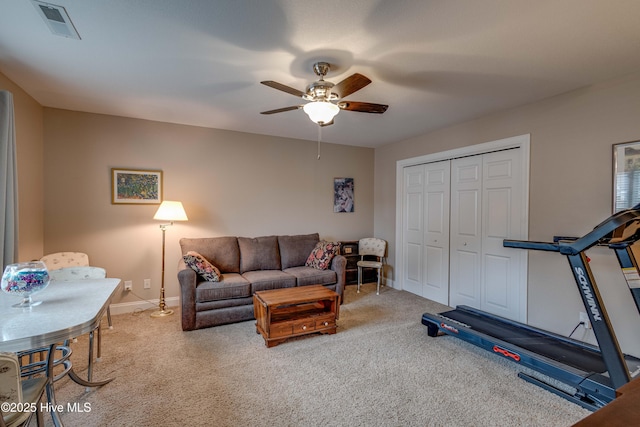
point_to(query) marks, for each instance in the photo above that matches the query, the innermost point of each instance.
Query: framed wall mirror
(626, 175)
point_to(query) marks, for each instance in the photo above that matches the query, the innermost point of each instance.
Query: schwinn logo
(449, 328)
(584, 286)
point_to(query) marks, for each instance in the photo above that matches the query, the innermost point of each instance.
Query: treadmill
(582, 373)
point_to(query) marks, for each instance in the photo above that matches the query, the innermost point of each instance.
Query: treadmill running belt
(572, 355)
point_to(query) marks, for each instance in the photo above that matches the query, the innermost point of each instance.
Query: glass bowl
(25, 279)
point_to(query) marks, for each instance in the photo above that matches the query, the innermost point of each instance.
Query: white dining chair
(16, 393)
(66, 266)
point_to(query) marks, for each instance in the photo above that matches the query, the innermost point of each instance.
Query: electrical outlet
(147, 283)
(584, 318)
(128, 285)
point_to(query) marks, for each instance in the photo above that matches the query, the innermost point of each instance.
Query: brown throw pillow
(200, 265)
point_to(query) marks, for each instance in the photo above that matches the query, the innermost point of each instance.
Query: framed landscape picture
(136, 186)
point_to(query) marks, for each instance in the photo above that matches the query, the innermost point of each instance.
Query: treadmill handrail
(527, 244)
(583, 243)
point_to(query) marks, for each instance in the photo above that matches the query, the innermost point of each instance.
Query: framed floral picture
(136, 186)
(343, 191)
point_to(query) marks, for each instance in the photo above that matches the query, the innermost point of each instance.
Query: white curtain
(8, 182)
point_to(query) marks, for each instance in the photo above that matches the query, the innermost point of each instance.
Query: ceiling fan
(326, 98)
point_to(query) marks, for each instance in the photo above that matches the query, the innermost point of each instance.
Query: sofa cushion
(200, 265)
(322, 255)
(312, 276)
(223, 252)
(262, 280)
(259, 253)
(294, 250)
(233, 285)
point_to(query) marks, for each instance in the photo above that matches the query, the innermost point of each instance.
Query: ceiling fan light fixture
(321, 112)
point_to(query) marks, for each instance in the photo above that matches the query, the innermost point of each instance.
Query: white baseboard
(130, 307)
(386, 282)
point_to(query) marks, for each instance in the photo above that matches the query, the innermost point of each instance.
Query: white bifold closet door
(457, 213)
(413, 229)
(486, 196)
(426, 230)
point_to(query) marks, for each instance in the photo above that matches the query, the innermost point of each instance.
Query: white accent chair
(22, 393)
(371, 247)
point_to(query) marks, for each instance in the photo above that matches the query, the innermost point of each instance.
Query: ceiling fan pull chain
(319, 138)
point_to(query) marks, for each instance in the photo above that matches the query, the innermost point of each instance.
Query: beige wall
(230, 183)
(241, 184)
(570, 190)
(29, 147)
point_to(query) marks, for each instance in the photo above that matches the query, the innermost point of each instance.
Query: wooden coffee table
(291, 312)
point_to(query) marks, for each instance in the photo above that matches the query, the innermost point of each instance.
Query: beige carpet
(380, 369)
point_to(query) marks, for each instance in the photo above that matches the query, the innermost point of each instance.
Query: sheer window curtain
(8, 182)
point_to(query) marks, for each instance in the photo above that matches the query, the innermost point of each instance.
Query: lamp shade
(321, 111)
(171, 211)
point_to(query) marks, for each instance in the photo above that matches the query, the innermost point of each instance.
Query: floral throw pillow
(322, 255)
(200, 265)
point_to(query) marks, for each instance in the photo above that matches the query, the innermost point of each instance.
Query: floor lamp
(168, 211)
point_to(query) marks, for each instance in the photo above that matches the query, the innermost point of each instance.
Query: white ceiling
(199, 62)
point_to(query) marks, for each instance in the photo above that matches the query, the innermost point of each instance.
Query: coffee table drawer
(325, 321)
(302, 326)
(282, 329)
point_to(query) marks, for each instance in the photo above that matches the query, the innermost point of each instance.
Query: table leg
(90, 362)
(99, 354)
(51, 397)
(88, 382)
(76, 378)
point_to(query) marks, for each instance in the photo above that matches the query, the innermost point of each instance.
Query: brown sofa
(248, 265)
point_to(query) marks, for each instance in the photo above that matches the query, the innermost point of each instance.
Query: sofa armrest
(187, 279)
(339, 265)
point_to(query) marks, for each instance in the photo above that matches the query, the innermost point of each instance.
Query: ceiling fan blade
(283, 88)
(363, 107)
(351, 84)
(282, 110)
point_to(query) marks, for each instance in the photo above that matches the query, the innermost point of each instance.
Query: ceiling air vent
(57, 19)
